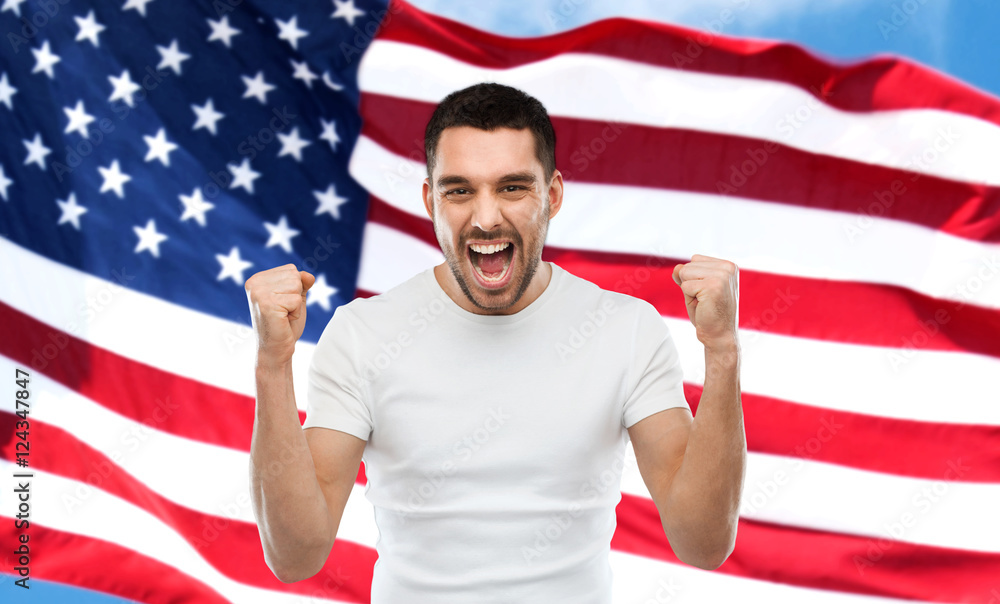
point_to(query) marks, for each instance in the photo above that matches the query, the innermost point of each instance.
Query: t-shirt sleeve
(655, 376)
(337, 397)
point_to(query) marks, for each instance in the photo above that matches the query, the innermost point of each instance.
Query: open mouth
(492, 262)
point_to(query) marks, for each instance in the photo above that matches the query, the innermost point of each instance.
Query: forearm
(702, 507)
(287, 500)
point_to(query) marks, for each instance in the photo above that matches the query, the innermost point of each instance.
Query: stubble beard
(530, 257)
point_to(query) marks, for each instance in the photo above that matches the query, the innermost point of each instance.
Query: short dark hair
(488, 106)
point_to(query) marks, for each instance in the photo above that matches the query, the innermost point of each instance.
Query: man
(492, 396)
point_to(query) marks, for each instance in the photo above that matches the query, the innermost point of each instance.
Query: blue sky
(952, 36)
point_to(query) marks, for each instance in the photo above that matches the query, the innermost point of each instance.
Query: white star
(44, 60)
(89, 28)
(281, 234)
(320, 293)
(114, 179)
(4, 183)
(222, 31)
(233, 266)
(71, 212)
(346, 10)
(329, 202)
(292, 145)
(330, 133)
(207, 117)
(78, 119)
(195, 207)
(13, 5)
(303, 73)
(124, 88)
(159, 147)
(139, 5)
(172, 57)
(36, 151)
(6, 91)
(149, 239)
(243, 175)
(290, 31)
(330, 83)
(257, 87)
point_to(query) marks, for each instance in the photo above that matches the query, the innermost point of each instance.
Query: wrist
(722, 346)
(267, 364)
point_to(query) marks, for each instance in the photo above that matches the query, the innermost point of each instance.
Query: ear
(428, 199)
(555, 194)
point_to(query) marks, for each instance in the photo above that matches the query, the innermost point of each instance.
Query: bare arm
(299, 479)
(694, 468)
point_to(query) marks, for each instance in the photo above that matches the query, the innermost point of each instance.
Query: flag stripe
(149, 455)
(708, 162)
(786, 239)
(217, 532)
(143, 531)
(919, 449)
(826, 560)
(843, 311)
(104, 566)
(875, 84)
(649, 580)
(785, 367)
(931, 142)
(915, 453)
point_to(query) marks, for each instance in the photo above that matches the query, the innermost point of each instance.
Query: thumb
(308, 281)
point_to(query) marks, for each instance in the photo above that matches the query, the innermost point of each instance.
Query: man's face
(488, 189)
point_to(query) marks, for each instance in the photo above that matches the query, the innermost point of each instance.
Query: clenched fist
(711, 294)
(277, 299)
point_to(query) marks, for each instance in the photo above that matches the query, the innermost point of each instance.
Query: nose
(486, 212)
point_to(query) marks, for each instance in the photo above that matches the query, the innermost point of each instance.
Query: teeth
(489, 249)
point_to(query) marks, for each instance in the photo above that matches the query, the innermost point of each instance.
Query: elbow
(306, 564)
(707, 560)
(706, 554)
(291, 574)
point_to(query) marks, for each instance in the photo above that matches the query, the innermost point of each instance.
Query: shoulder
(590, 295)
(388, 303)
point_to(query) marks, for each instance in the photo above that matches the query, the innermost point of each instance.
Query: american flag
(156, 154)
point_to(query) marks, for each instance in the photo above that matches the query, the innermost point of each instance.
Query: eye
(513, 188)
(457, 192)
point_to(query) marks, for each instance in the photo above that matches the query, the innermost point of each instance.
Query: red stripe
(823, 309)
(918, 447)
(809, 558)
(884, 83)
(712, 163)
(231, 546)
(970, 453)
(106, 567)
(140, 392)
(825, 560)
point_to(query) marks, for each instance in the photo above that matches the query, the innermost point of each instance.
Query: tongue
(491, 264)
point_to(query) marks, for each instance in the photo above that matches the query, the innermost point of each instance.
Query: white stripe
(811, 494)
(121, 523)
(640, 93)
(640, 580)
(861, 379)
(203, 477)
(182, 341)
(756, 235)
(817, 495)
(882, 381)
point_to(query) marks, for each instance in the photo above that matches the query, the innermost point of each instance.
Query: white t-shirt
(495, 443)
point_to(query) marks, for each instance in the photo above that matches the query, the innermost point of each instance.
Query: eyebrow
(454, 179)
